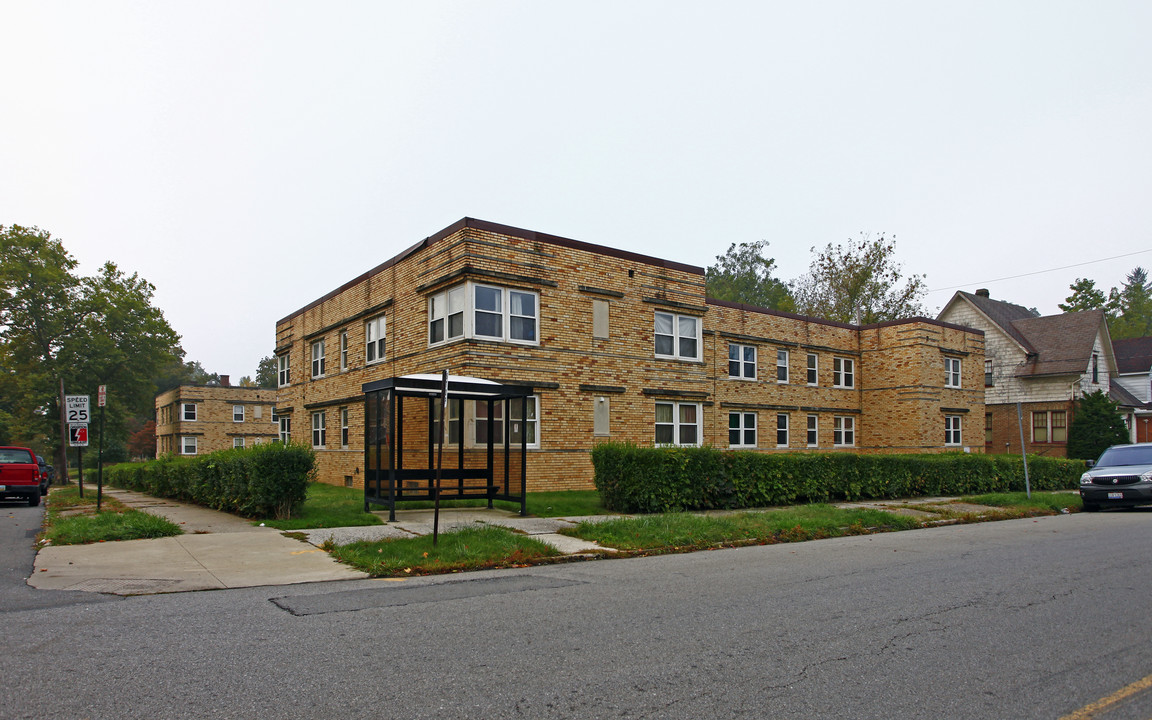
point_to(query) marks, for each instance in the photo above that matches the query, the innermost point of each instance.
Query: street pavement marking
(1089, 711)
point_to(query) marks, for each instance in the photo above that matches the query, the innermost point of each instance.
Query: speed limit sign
(76, 408)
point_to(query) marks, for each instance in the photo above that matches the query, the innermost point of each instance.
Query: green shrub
(632, 478)
(264, 480)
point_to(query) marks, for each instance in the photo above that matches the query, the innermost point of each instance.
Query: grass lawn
(466, 549)
(679, 532)
(1040, 501)
(82, 524)
(328, 506)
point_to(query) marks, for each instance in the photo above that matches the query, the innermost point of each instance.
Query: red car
(20, 475)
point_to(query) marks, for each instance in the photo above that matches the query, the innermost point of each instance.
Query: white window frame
(782, 423)
(187, 441)
(459, 303)
(283, 370)
(184, 408)
(319, 430)
(505, 428)
(952, 372)
(237, 443)
(677, 335)
(344, 426)
(318, 360)
(782, 366)
(738, 356)
(745, 429)
(813, 430)
(843, 431)
(285, 428)
(343, 350)
(237, 413)
(953, 426)
(375, 340)
(812, 369)
(843, 372)
(678, 424)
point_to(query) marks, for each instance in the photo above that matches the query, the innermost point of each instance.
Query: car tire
(1091, 507)
(34, 500)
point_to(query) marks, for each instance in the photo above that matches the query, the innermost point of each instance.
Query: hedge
(632, 478)
(266, 480)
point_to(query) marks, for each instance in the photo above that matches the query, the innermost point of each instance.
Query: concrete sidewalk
(218, 551)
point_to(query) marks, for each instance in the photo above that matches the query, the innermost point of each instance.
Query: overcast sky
(248, 157)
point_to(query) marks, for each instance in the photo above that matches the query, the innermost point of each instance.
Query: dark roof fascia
(509, 230)
(836, 323)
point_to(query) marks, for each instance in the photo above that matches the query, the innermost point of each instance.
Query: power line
(1040, 272)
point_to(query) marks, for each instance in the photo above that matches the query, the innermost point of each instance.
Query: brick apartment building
(615, 346)
(198, 419)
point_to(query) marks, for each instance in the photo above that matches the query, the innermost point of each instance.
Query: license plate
(1115, 496)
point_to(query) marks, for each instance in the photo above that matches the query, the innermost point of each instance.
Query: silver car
(1122, 477)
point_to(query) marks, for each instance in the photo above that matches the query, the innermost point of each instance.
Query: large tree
(744, 275)
(859, 282)
(1131, 307)
(266, 372)
(57, 327)
(1085, 296)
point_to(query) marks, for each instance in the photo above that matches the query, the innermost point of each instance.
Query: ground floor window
(952, 430)
(843, 431)
(987, 428)
(343, 427)
(1050, 426)
(237, 442)
(782, 430)
(742, 429)
(319, 430)
(187, 444)
(677, 423)
(813, 431)
(285, 429)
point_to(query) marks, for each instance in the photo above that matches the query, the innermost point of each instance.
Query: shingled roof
(1062, 343)
(1133, 355)
(1003, 314)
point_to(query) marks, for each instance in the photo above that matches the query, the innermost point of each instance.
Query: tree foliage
(266, 373)
(1096, 425)
(1131, 307)
(859, 282)
(1085, 296)
(744, 275)
(85, 331)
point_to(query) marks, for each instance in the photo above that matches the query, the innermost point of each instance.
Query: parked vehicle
(1121, 477)
(45, 474)
(20, 475)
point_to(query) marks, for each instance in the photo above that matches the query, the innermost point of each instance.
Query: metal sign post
(1023, 449)
(101, 397)
(440, 458)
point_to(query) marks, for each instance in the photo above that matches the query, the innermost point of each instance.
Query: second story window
(1095, 368)
(486, 312)
(677, 336)
(951, 372)
(782, 366)
(813, 367)
(987, 373)
(237, 413)
(741, 361)
(343, 350)
(374, 333)
(282, 376)
(843, 372)
(189, 413)
(318, 359)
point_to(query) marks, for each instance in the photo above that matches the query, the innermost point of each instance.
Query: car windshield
(1126, 455)
(15, 455)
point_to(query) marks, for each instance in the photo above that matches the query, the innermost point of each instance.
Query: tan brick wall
(897, 400)
(214, 427)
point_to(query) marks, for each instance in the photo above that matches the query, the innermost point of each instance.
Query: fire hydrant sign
(76, 409)
(77, 435)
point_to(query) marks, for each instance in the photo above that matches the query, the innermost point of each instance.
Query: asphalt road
(1018, 619)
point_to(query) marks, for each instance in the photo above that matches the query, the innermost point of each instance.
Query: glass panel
(436, 331)
(663, 323)
(488, 298)
(488, 324)
(687, 434)
(663, 413)
(664, 345)
(664, 434)
(522, 328)
(456, 325)
(687, 347)
(522, 303)
(688, 414)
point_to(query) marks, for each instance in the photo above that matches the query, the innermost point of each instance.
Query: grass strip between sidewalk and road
(472, 548)
(73, 520)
